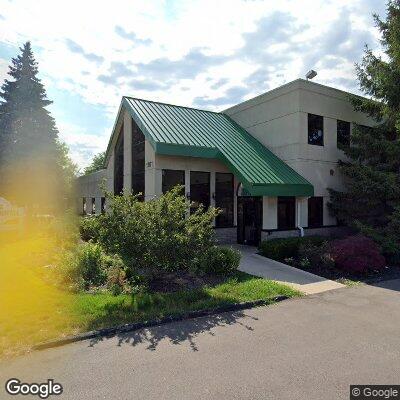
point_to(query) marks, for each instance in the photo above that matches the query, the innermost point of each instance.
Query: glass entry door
(249, 221)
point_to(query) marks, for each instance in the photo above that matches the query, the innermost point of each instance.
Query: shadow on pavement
(178, 332)
(393, 284)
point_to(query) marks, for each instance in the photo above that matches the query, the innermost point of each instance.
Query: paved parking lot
(308, 348)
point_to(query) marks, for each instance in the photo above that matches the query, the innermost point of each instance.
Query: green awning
(184, 131)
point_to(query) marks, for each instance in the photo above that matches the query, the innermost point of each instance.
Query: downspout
(299, 227)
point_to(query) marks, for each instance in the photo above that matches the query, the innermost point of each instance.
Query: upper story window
(343, 134)
(315, 130)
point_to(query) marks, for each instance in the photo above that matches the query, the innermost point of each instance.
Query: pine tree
(371, 202)
(34, 165)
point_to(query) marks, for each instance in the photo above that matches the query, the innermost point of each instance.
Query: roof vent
(311, 74)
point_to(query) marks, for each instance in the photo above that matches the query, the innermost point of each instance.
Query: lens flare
(33, 308)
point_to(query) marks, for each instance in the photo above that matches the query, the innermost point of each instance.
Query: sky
(209, 54)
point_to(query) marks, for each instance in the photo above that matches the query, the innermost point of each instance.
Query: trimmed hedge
(220, 261)
(280, 249)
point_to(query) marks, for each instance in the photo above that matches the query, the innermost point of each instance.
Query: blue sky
(200, 53)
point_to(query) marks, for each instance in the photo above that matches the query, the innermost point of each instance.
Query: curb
(108, 332)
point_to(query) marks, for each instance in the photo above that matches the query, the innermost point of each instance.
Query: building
(267, 162)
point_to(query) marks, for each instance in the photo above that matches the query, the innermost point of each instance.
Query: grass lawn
(33, 311)
(95, 311)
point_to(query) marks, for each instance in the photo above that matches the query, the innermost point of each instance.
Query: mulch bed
(182, 280)
(388, 273)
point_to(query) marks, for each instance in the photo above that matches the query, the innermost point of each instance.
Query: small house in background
(267, 163)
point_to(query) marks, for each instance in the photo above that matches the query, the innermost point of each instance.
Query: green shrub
(220, 261)
(89, 228)
(316, 255)
(85, 267)
(117, 281)
(281, 249)
(158, 234)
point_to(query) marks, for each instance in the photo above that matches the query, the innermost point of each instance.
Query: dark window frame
(84, 206)
(343, 139)
(103, 205)
(93, 205)
(290, 213)
(225, 220)
(315, 212)
(207, 204)
(315, 123)
(164, 187)
(138, 163)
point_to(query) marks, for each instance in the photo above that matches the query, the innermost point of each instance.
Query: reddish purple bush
(357, 254)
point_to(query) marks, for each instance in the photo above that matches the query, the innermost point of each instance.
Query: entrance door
(249, 221)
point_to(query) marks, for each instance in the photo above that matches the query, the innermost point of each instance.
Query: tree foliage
(156, 235)
(371, 201)
(35, 168)
(97, 163)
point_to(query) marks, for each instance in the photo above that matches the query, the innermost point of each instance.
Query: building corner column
(127, 153)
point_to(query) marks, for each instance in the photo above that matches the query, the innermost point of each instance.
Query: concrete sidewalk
(306, 282)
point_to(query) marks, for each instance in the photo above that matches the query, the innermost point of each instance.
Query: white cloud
(176, 51)
(83, 146)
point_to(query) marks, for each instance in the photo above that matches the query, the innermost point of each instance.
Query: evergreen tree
(34, 165)
(97, 163)
(371, 202)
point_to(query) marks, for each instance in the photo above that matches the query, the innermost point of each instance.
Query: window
(224, 199)
(119, 163)
(84, 205)
(103, 205)
(199, 189)
(343, 134)
(315, 212)
(171, 178)
(93, 205)
(138, 160)
(286, 212)
(315, 130)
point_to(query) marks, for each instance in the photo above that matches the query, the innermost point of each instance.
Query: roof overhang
(304, 189)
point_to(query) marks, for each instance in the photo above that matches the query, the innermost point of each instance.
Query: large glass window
(138, 161)
(103, 205)
(224, 193)
(199, 189)
(315, 130)
(119, 163)
(171, 178)
(286, 212)
(315, 212)
(93, 205)
(343, 134)
(84, 205)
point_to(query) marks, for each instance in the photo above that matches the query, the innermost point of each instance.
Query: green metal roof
(184, 131)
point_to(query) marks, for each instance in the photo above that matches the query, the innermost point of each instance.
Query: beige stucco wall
(90, 186)
(279, 120)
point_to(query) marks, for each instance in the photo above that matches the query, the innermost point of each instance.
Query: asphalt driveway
(308, 348)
